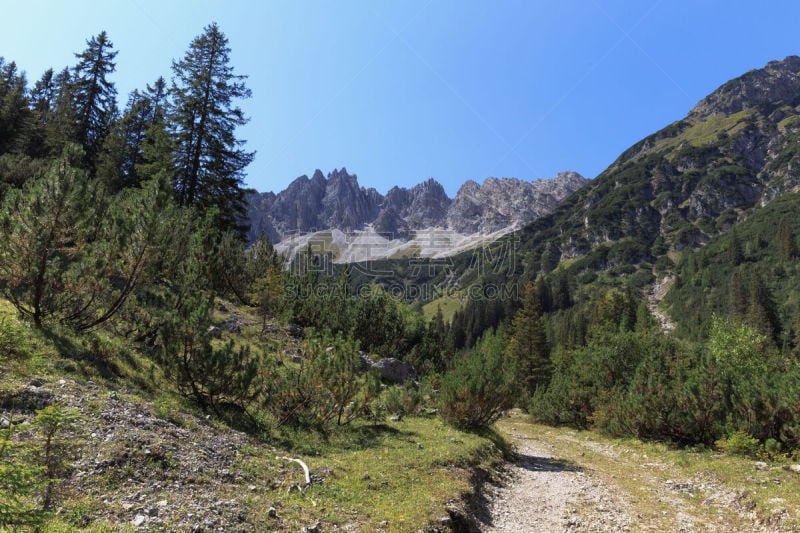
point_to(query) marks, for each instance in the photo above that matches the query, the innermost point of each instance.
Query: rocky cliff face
(339, 202)
(313, 204)
(508, 202)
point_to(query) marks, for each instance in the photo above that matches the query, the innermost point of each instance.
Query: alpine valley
(613, 354)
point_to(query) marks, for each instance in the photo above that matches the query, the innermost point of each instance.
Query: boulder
(366, 362)
(295, 330)
(394, 370)
(232, 324)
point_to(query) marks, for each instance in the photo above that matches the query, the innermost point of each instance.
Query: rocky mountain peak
(346, 205)
(507, 202)
(339, 202)
(569, 178)
(778, 80)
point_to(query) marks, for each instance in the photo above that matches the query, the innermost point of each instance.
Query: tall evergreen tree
(52, 102)
(93, 96)
(735, 254)
(761, 311)
(14, 112)
(737, 296)
(42, 101)
(528, 348)
(158, 149)
(787, 246)
(210, 158)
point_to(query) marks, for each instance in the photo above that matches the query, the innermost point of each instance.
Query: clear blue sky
(399, 91)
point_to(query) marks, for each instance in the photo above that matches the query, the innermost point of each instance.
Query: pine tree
(14, 112)
(73, 253)
(735, 253)
(528, 348)
(41, 224)
(787, 245)
(93, 96)
(210, 159)
(124, 148)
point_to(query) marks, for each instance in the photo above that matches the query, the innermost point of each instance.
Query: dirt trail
(546, 494)
(568, 481)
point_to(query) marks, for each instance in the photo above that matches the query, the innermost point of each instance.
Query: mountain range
(662, 219)
(422, 221)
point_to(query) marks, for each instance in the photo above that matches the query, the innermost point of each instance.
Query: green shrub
(214, 376)
(12, 338)
(772, 447)
(401, 400)
(479, 387)
(739, 443)
(329, 384)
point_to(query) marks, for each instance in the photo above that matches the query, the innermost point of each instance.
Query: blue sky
(451, 89)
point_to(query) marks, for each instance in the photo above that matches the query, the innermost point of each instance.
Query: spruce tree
(93, 96)
(124, 148)
(735, 253)
(14, 112)
(51, 100)
(210, 159)
(42, 101)
(528, 348)
(787, 245)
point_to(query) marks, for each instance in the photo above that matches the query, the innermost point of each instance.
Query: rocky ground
(147, 466)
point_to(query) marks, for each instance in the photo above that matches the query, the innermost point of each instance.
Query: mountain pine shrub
(480, 386)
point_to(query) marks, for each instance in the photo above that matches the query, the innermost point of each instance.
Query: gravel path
(545, 494)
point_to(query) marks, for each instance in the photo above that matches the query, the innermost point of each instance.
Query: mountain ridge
(339, 202)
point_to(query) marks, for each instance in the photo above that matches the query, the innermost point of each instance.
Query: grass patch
(708, 129)
(398, 476)
(449, 303)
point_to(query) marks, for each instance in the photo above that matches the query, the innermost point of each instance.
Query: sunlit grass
(398, 476)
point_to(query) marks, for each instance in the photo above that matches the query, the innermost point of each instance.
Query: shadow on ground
(544, 464)
(480, 515)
